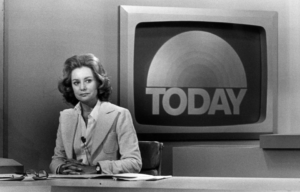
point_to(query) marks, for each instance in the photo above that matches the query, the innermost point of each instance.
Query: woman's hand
(86, 169)
(71, 167)
(74, 167)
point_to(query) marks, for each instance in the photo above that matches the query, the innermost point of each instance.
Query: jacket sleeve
(59, 156)
(130, 158)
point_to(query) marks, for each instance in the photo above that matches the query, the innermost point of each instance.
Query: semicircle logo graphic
(196, 59)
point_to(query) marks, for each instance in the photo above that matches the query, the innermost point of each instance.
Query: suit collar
(107, 107)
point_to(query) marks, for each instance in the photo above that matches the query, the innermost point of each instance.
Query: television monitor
(191, 72)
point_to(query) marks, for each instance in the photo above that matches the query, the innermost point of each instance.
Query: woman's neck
(88, 107)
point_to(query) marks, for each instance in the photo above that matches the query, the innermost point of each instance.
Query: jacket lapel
(69, 122)
(107, 114)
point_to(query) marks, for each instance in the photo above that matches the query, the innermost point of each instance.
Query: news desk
(172, 184)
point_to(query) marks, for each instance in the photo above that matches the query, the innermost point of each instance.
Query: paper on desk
(5, 175)
(121, 176)
(11, 177)
(139, 177)
(87, 176)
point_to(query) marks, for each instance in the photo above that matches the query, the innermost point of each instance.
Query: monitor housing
(194, 72)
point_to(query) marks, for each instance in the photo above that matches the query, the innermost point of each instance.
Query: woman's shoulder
(113, 106)
(68, 111)
(68, 115)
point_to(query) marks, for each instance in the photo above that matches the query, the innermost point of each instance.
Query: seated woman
(95, 136)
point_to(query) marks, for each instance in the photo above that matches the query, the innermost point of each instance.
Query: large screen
(197, 70)
(198, 74)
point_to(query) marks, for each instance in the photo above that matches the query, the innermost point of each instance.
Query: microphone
(83, 139)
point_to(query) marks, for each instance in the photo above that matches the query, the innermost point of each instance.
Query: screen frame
(131, 16)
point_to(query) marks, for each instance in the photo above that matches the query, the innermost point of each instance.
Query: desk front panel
(171, 184)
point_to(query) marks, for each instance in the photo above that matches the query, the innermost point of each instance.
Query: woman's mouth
(83, 94)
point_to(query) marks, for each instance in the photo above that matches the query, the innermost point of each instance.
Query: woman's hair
(92, 62)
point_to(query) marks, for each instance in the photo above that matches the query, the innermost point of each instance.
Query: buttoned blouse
(83, 150)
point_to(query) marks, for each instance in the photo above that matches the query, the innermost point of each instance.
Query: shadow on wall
(35, 147)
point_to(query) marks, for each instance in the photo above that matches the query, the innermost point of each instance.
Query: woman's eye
(75, 83)
(88, 80)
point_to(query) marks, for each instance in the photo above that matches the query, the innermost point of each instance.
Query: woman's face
(84, 85)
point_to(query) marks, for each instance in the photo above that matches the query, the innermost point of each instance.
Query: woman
(95, 136)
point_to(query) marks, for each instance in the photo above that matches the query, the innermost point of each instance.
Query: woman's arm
(130, 158)
(59, 156)
(60, 164)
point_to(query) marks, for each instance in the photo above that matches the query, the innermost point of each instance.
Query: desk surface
(171, 184)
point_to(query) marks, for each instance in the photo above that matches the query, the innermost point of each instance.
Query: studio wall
(40, 35)
(1, 77)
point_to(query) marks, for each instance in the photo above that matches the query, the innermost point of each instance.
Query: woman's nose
(82, 86)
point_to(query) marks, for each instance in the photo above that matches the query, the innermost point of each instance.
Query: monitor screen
(203, 71)
(197, 70)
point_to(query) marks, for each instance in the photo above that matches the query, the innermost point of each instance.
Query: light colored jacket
(115, 144)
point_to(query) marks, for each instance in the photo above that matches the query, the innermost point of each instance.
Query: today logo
(219, 102)
(196, 61)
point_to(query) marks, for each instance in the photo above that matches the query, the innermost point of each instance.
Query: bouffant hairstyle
(92, 62)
